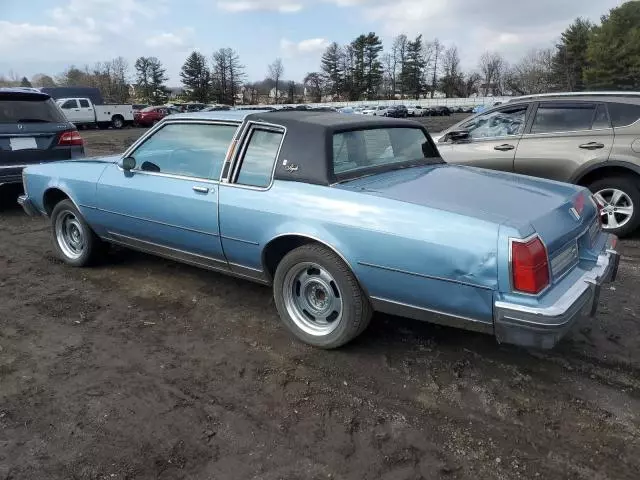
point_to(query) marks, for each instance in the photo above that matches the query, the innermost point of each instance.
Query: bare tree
(437, 49)
(276, 70)
(492, 68)
(532, 74)
(398, 59)
(314, 83)
(452, 82)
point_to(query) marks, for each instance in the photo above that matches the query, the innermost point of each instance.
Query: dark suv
(588, 138)
(33, 130)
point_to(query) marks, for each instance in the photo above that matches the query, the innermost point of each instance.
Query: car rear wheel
(318, 297)
(619, 199)
(73, 240)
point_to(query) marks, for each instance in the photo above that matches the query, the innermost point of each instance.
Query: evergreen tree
(330, 65)
(414, 65)
(367, 68)
(570, 59)
(25, 82)
(157, 79)
(196, 77)
(614, 50)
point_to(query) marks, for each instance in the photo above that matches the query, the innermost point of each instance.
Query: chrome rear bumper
(543, 327)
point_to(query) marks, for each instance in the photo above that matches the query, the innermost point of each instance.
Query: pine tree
(613, 53)
(331, 69)
(570, 59)
(414, 65)
(196, 77)
(25, 82)
(227, 76)
(157, 80)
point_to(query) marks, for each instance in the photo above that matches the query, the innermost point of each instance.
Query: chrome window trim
(513, 240)
(131, 150)
(238, 156)
(422, 275)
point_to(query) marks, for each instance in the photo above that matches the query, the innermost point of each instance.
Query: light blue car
(343, 215)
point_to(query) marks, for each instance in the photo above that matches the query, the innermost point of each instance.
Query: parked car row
(519, 258)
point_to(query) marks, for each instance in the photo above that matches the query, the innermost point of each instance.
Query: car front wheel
(619, 199)
(73, 240)
(318, 297)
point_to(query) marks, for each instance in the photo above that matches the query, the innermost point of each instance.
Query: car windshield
(148, 109)
(29, 109)
(358, 152)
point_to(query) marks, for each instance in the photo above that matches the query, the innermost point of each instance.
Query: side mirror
(457, 136)
(127, 164)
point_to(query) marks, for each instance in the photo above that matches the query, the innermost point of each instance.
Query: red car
(151, 115)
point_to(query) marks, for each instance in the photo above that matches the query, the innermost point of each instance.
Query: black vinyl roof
(328, 120)
(308, 142)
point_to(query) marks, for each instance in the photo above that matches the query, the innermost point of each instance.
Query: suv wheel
(619, 198)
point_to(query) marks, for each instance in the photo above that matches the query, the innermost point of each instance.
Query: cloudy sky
(49, 35)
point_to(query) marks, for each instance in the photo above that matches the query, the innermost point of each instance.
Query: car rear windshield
(359, 150)
(24, 109)
(149, 109)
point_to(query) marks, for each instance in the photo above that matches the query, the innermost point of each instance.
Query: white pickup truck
(82, 112)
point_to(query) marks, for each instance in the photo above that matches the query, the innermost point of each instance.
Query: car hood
(516, 200)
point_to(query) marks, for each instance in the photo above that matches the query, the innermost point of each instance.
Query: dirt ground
(142, 368)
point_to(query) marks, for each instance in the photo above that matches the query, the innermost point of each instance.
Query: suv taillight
(529, 266)
(72, 137)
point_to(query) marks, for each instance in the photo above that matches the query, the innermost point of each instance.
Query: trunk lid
(493, 196)
(26, 143)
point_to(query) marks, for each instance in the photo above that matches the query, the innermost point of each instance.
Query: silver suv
(588, 138)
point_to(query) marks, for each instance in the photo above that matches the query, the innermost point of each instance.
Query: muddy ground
(142, 368)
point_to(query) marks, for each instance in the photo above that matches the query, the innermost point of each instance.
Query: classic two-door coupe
(343, 215)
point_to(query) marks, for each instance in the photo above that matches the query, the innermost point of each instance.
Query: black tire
(93, 248)
(117, 122)
(631, 188)
(356, 309)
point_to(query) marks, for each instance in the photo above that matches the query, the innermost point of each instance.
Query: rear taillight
(70, 138)
(578, 203)
(529, 266)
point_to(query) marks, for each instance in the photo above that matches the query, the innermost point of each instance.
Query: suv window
(33, 108)
(554, 117)
(623, 114)
(259, 157)
(498, 123)
(69, 104)
(186, 149)
(84, 103)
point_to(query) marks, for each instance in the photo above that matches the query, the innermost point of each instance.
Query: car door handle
(591, 146)
(200, 189)
(504, 147)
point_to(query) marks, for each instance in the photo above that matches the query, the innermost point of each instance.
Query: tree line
(604, 56)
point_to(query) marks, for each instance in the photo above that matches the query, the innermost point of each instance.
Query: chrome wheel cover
(617, 207)
(70, 235)
(312, 299)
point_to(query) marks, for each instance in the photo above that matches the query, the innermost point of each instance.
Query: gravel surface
(142, 368)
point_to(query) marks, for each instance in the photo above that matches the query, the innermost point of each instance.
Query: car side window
(84, 103)
(555, 118)
(259, 157)
(186, 149)
(623, 114)
(69, 104)
(498, 123)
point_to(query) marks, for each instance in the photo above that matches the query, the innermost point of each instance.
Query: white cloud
(304, 47)
(18, 37)
(180, 40)
(282, 6)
